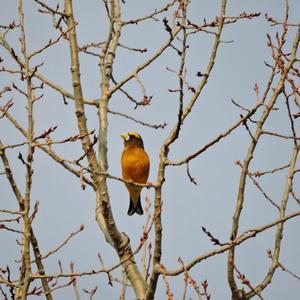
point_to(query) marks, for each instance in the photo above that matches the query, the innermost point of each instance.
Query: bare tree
(91, 166)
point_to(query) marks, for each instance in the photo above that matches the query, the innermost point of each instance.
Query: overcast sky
(186, 207)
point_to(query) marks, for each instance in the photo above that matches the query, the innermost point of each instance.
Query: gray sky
(186, 207)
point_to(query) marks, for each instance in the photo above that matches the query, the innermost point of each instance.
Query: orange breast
(135, 164)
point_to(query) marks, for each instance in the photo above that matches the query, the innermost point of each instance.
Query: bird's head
(132, 139)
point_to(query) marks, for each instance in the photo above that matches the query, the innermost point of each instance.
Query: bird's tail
(135, 209)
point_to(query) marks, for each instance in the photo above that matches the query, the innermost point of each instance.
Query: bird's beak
(125, 136)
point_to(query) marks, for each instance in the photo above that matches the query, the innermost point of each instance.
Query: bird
(135, 165)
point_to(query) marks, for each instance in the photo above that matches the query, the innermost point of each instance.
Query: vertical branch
(291, 118)
(104, 214)
(77, 89)
(249, 156)
(181, 74)
(103, 210)
(79, 103)
(120, 241)
(33, 239)
(183, 113)
(106, 63)
(80, 113)
(173, 134)
(105, 70)
(10, 177)
(211, 62)
(25, 279)
(279, 234)
(40, 266)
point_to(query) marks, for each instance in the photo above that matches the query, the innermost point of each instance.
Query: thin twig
(63, 243)
(155, 126)
(231, 243)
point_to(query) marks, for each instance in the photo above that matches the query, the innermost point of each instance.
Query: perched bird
(135, 167)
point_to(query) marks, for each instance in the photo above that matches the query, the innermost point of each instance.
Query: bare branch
(150, 16)
(51, 42)
(62, 244)
(155, 126)
(215, 140)
(228, 245)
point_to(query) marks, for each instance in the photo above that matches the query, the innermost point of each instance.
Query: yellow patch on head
(133, 133)
(126, 136)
